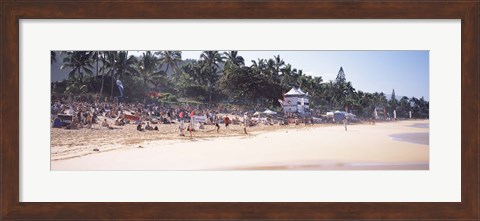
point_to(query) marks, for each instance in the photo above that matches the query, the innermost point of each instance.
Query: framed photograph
(239, 110)
(241, 120)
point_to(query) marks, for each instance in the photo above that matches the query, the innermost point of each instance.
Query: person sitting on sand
(119, 122)
(73, 125)
(148, 127)
(89, 120)
(156, 128)
(139, 127)
(105, 124)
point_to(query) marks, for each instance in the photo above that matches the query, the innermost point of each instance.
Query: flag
(120, 87)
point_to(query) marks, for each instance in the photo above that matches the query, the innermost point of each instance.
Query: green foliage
(167, 97)
(75, 86)
(78, 62)
(240, 83)
(220, 78)
(133, 88)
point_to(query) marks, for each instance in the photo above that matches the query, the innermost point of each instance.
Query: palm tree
(258, 66)
(170, 58)
(125, 64)
(147, 68)
(233, 58)
(210, 62)
(278, 64)
(302, 79)
(94, 59)
(404, 105)
(104, 61)
(79, 63)
(109, 61)
(415, 107)
(288, 77)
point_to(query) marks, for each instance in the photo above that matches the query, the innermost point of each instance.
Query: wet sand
(418, 138)
(319, 147)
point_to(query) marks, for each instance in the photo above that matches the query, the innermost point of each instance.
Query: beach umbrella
(269, 112)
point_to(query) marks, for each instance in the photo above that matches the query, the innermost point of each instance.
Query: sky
(370, 71)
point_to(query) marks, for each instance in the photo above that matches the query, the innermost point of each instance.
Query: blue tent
(338, 116)
(57, 123)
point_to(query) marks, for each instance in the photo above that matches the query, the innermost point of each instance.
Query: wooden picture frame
(12, 11)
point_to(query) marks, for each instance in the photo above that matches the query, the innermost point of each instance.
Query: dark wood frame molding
(13, 10)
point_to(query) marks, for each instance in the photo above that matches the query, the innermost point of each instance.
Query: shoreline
(341, 166)
(323, 147)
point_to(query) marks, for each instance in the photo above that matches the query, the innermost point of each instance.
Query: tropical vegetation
(217, 77)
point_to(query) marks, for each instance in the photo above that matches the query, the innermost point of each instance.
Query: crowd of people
(149, 116)
(146, 116)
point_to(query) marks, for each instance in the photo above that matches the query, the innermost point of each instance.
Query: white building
(296, 101)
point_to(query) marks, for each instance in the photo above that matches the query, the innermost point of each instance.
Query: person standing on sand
(181, 127)
(245, 122)
(181, 116)
(217, 123)
(227, 121)
(345, 123)
(192, 114)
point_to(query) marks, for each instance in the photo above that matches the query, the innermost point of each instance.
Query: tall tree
(210, 61)
(79, 63)
(393, 100)
(147, 68)
(341, 76)
(170, 59)
(109, 60)
(279, 64)
(125, 64)
(288, 78)
(101, 55)
(234, 58)
(258, 66)
(405, 107)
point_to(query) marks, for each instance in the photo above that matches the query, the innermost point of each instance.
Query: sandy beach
(400, 145)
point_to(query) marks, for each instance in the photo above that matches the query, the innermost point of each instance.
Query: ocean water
(421, 125)
(417, 138)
